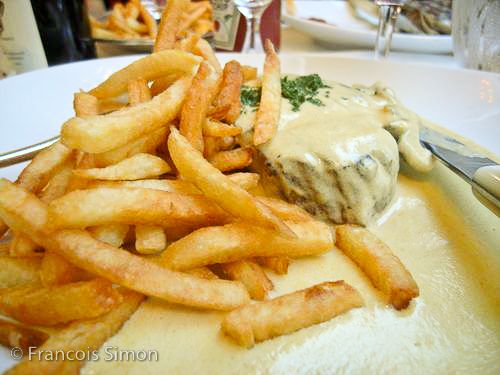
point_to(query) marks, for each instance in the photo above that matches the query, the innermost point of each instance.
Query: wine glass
(389, 11)
(252, 10)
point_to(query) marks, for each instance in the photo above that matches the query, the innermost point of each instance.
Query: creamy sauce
(445, 238)
(340, 160)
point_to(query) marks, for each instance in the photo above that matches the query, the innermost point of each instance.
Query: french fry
(193, 167)
(48, 306)
(3, 228)
(204, 49)
(136, 26)
(106, 132)
(55, 270)
(19, 271)
(86, 335)
(285, 210)
(235, 159)
(226, 143)
(118, 21)
(195, 107)
(58, 184)
(161, 84)
(133, 206)
(249, 73)
(193, 16)
(145, 144)
(85, 104)
(268, 113)
(379, 263)
(23, 246)
(149, 239)
(188, 43)
(251, 275)
(13, 335)
(4, 249)
(131, 10)
(138, 91)
(246, 181)
(227, 105)
(101, 33)
(151, 67)
(171, 186)
(170, 24)
(211, 146)
(291, 312)
(278, 264)
(203, 272)
(144, 276)
(203, 26)
(148, 20)
(135, 167)
(238, 241)
(43, 166)
(112, 234)
(213, 128)
(110, 104)
(22, 210)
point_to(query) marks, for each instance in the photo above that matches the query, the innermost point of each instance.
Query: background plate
(343, 30)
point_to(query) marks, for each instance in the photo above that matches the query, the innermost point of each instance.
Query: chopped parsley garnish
(302, 89)
(297, 90)
(250, 96)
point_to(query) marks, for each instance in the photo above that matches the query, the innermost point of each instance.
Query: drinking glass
(252, 10)
(389, 11)
(476, 33)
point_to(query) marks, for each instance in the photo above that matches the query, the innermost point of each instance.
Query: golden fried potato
(150, 239)
(13, 335)
(268, 113)
(237, 241)
(379, 263)
(227, 105)
(195, 107)
(226, 161)
(48, 306)
(19, 271)
(170, 24)
(214, 128)
(133, 206)
(251, 275)
(264, 320)
(85, 335)
(135, 167)
(55, 270)
(138, 91)
(278, 264)
(150, 67)
(112, 234)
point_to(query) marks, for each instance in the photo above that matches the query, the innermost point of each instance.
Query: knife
(482, 173)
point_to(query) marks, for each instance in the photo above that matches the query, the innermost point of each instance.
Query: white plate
(34, 105)
(344, 30)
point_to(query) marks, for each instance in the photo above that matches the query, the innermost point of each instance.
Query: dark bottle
(64, 29)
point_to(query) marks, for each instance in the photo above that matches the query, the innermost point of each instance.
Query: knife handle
(486, 187)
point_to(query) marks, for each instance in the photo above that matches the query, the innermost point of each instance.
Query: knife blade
(482, 173)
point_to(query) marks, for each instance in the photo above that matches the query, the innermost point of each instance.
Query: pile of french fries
(133, 21)
(153, 197)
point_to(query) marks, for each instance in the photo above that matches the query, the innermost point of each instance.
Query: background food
(132, 21)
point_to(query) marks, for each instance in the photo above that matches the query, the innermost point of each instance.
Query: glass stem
(253, 41)
(386, 25)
